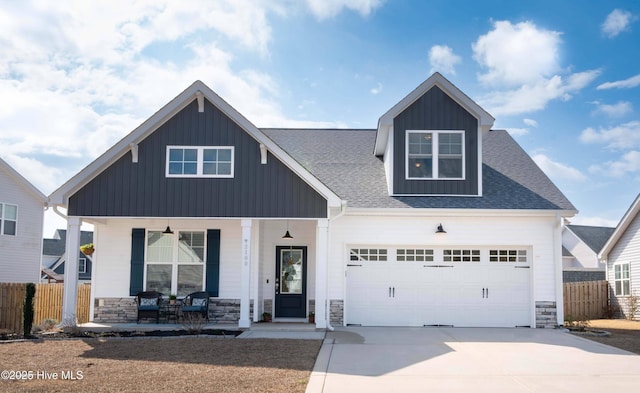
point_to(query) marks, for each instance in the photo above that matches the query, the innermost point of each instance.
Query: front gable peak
(385, 123)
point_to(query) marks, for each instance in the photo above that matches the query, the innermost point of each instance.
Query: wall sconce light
(168, 231)
(440, 229)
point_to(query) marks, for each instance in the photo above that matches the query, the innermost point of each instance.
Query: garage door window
(508, 256)
(368, 254)
(417, 255)
(461, 255)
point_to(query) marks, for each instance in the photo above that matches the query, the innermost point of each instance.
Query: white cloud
(593, 221)
(513, 131)
(629, 83)
(376, 90)
(624, 136)
(325, 9)
(516, 54)
(442, 59)
(628, 163)
(530, 122)
(617, 22)
(522, 66)
(616, 110)
(556, 170)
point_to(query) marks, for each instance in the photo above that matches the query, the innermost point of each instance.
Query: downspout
(343, 209)
(55, 210)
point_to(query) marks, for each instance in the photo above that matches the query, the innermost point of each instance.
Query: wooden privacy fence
(47, 304)
(585, 300)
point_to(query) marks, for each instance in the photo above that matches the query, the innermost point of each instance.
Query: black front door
(291, 282)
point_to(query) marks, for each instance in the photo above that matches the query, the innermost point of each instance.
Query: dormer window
(435, 155)
(200, 161)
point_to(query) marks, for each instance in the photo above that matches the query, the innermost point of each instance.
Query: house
(21, 220)
(580, 247)
(432, 218)
(621, 255)
(54, 257)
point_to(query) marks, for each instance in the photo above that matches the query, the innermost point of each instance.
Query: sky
(563, 77)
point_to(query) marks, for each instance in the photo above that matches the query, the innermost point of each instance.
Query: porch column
(322, 266)
(245, 276)
(70, 293)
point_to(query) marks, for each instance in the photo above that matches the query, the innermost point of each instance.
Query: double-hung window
(621, 279)
(200, 161)
(8, 219)
(175, 264)
(435, 155)
(82, 265)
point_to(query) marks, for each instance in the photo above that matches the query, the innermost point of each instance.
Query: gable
(435, 111)
(142, 189)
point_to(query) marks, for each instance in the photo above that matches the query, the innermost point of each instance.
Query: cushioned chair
(149, 305)
(196, 303)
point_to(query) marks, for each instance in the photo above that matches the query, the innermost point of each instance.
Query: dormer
(431, 141)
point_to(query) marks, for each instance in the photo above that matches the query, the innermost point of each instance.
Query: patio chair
(196, 303)
(149, 305)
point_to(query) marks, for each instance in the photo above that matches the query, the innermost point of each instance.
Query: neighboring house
(430, 219)
(21, 220)
(621, 254)
(580, 247)
(54, 257)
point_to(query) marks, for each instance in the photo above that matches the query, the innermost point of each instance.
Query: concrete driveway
(376, 359)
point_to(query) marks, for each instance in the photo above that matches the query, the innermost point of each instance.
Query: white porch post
(70, 293)
(322, 266)
(245, 276)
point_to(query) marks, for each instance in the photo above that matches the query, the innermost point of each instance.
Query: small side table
(170, 311)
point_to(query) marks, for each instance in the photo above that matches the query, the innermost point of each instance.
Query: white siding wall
(21, 254)
(627, 249)
(536, 232)
(112, 258)
(585, 257)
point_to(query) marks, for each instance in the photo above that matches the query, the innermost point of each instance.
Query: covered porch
(254, 270)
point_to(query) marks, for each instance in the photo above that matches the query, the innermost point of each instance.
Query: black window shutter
(213, 262)
(137, 261)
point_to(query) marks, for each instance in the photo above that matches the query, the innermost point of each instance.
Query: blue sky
(562, 77)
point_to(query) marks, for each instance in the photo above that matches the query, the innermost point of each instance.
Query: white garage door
(431, 286)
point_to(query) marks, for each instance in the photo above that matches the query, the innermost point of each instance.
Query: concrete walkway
(357, 359)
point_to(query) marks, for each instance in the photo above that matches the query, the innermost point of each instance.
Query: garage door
(438, 287)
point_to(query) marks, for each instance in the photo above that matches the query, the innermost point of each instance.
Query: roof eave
(624, 223)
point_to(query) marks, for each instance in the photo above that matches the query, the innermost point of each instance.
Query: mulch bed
(89, 334)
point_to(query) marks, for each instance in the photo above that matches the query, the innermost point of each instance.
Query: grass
(190, 364)
(624, 334)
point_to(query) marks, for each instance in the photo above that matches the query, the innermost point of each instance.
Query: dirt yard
(624, 334)
(158, 365)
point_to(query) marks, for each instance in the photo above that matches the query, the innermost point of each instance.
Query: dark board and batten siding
(435, 110)
(127, 189)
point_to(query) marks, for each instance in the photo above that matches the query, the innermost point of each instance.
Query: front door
(291, 282)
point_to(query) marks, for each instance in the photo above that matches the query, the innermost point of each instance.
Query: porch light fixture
(287, 235)
(168, 231)
(440, 229)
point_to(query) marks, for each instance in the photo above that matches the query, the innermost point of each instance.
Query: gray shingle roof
(344, 162)
(56, 247)
(594, 237)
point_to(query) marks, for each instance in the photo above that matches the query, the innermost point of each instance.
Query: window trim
(621, 279)
(435, 154)
(80, 265)
(175, 263)
(199, 162)
(3, 220)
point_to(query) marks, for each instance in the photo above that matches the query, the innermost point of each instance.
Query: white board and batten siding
(21, 255)
(432, 293)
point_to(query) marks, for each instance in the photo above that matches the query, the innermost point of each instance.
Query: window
(8, 219)
(508, 256)
(368, 254)
(621, 279)
(435, 155)
(417, 255)
(199, 161)
(461, 256)
(82, 265)
(175, 264)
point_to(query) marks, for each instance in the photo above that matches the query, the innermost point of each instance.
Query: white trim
(263, 154)
(62, 194)
(22, 181)
(624, 223)
(622, 279)
(200, 98)
(385, 123)
(134, 152)
(435, 154)
(200, 161)
(3, 220)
